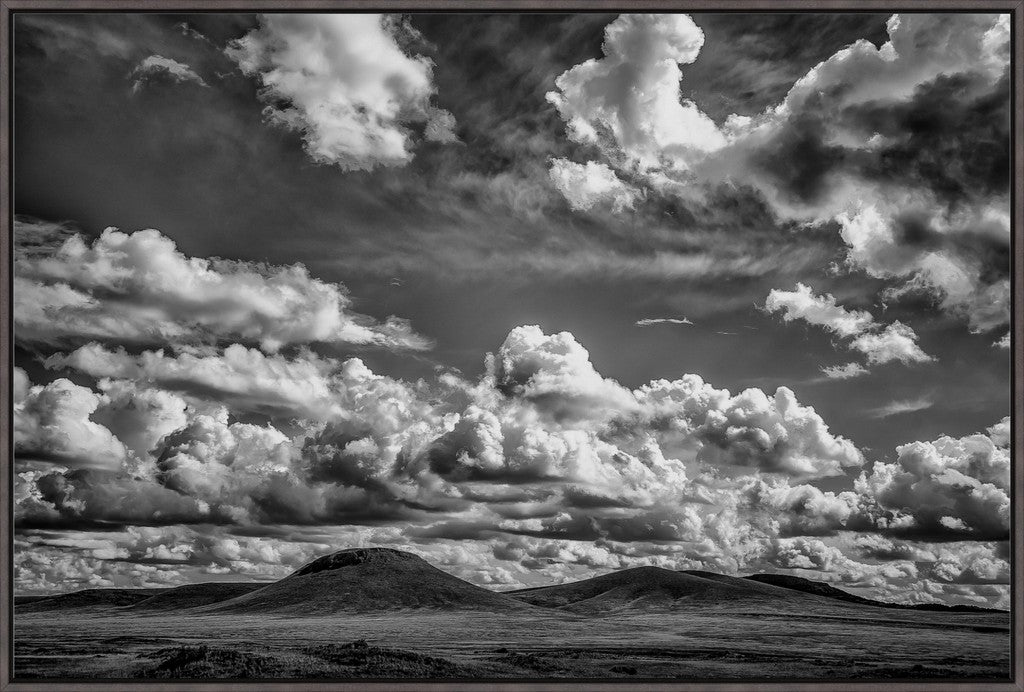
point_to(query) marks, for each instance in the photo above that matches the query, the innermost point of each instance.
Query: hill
(817, 588)
(649, 588)
(367, 579)
(89, 598)
(196, 595)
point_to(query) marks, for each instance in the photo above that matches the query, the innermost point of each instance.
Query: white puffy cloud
(139, 416)
(896, 342)
(801, 510)
(815, 559)
(946, 488)
(345, 84)
(541, 463)
(246, 379)
(774, 433)
(803, 304)
(857, 133)
(159, 65)
(629, 101)
(587, 185)
(1001, 433)
(53, 423)
(893, 342)
(555, 372)
(137, 287)
(949, 262)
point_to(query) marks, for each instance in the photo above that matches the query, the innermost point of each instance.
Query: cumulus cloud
(245, 379)
(587, 185)
(893, 342)
(541, 464)
(629, 101)
(157, 65)
(945, 489)
(53, 423)
(858, 131)
(542, 441)
(857, 127)
(138, 287)
(345, 84)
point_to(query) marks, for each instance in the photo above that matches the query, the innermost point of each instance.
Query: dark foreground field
(645, 623)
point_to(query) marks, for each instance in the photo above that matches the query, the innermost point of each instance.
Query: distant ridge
(818, 588)
(89, 598)
(647, 588)
(367, 579)
(195, 595)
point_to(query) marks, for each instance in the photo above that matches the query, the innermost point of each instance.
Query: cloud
(894, 342)
(629, 102)
(138, 288)
(895, 408)
(1003, 342)
(1001, 433)
(859, 130)
(649, 321)
(53, 423)
(844, 372)
(947, 489)
(897, 342)
(346, 85)
(541, 463)
(542, 443)
(801, 510)
(587, 185)
(555, 372)
(819, 310)
(245, 379)
(157, 65)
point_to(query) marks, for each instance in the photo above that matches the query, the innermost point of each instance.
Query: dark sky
(471, 237)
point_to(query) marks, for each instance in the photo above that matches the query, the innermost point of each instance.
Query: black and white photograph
(524, 345)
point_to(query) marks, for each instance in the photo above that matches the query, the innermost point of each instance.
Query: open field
(707, 644)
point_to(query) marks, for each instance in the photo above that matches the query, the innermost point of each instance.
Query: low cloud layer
(540, 448)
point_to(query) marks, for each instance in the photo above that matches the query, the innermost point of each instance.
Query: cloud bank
(139, 288)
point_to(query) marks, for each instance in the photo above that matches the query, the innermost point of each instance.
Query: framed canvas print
(511, 345)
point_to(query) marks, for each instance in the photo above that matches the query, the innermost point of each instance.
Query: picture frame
(10, 9)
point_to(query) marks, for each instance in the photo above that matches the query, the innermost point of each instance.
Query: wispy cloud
(844, 372)
(649, 321)
(157, 64)
(895, 408)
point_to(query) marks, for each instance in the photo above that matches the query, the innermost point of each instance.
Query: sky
(535, 296)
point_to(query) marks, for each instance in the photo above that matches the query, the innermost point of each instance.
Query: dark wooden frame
(7, 7)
